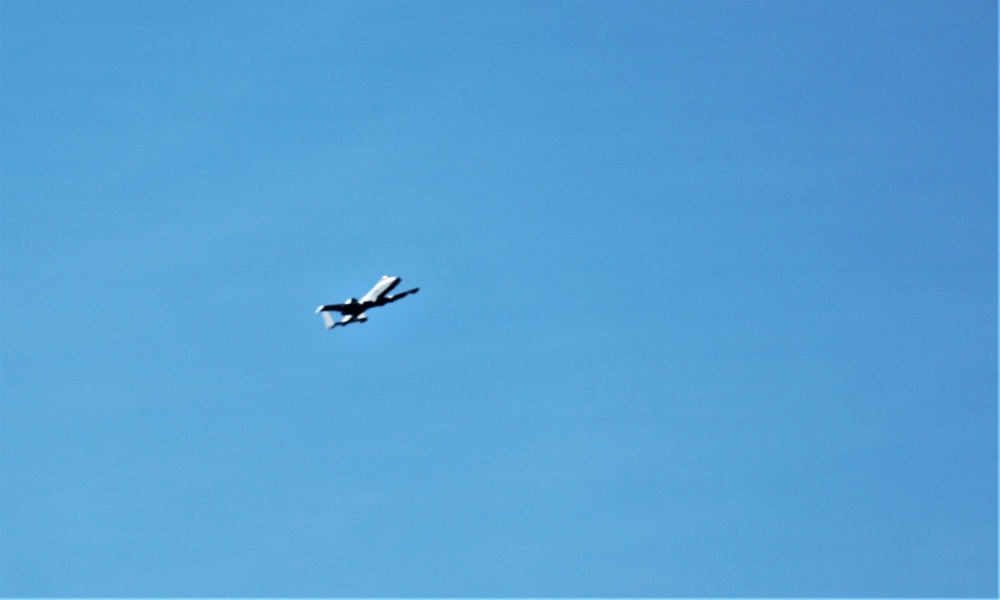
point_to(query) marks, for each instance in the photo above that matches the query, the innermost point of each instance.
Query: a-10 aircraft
(353, 309)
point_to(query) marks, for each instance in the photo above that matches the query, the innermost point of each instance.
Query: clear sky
(708, 298)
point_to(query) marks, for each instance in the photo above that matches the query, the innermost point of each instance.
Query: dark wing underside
(387, 299)
(337, 307)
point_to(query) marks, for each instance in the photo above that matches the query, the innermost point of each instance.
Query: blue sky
(708, 299)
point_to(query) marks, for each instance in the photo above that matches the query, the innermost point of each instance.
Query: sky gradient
(708, 299)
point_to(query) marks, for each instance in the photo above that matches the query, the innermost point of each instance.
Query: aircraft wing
(328, 307)
(394, 297)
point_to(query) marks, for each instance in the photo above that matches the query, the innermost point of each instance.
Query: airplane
(353, 309)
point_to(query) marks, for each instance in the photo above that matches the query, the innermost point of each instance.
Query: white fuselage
(383, 287)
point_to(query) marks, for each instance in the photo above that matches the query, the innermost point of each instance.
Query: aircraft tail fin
(328, 320)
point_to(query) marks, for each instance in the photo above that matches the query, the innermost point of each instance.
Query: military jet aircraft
(353, 310)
